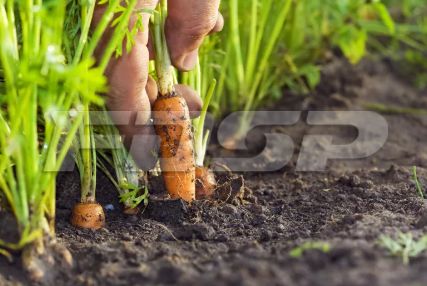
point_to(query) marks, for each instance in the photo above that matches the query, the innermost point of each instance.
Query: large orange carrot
(172, 120)
(173, 125)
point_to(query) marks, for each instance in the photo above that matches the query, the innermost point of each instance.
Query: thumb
(188, 22)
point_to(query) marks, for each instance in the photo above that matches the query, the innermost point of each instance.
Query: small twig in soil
(387, 109)
(167, 230)
(417, 182)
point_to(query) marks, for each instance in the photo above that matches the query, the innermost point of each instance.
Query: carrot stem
(163, 64)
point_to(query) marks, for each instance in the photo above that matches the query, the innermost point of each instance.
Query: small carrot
(205, 183)
(172, 120)
(205, 177)
(88, 215)
(131, 211)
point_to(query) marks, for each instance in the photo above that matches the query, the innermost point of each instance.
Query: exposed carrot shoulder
(88, 215)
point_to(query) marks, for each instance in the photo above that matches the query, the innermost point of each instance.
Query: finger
(193, 100)
(127, 98)
(219, 25)
(188, 22)
(152, 90)
(129, 105)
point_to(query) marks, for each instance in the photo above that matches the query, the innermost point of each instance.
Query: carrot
(205, 178)
(172, 120)
(173, 125)
(205, 183)
(88, 215)
(131, 211)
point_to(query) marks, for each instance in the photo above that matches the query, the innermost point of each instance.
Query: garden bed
(349, 207)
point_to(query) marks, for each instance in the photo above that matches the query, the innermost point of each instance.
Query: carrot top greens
(267, 46)
(48, 80)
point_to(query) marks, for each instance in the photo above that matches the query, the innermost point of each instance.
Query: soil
(247, 241)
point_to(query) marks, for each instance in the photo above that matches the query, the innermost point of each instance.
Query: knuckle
(201, 28)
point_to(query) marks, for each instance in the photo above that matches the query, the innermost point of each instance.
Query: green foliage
(249, 65)
(84, 144)
(121, 16)
(352, 42)
(267, 45)
(48, 80)
(298, 251)
(113, 154)
(404, 246)
(133, 198)
(199, 80)
(85, 158)
(39, 85)
(408, 46)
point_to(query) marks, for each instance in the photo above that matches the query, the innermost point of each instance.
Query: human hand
(132, 92)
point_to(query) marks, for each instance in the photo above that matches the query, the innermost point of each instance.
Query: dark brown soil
(248, 243)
